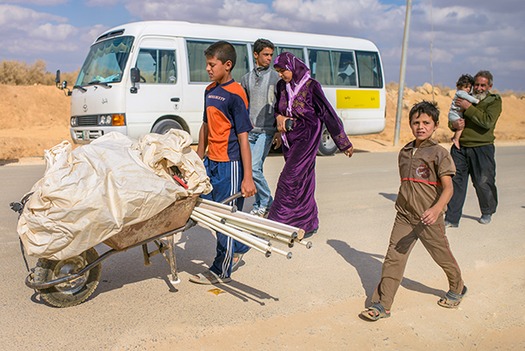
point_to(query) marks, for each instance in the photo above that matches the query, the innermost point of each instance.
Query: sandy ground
(310, 302)
(35, 118)
(324, 315)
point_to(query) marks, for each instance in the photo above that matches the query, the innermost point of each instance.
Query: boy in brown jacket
(426, 171)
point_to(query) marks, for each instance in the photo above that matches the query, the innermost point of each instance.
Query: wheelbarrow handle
(231, 198)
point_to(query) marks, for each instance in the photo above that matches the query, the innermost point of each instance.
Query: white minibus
(150, 76)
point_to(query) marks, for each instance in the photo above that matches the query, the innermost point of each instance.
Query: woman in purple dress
(301, 101)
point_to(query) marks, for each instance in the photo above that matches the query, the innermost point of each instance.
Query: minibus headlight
(104, 120)
(116, 120)
(73, 122)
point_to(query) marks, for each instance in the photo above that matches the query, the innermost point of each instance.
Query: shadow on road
(391, 197)
(369, 267)
(193, 248)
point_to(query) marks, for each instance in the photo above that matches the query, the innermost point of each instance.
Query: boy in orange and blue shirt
(224, 135)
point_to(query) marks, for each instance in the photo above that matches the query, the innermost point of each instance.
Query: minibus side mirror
(57, 78)
(135, 78)
(63, 85)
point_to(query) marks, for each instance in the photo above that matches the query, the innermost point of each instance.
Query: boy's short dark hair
(261, 44)
(429, 108)
(464, 80)
(223, 51)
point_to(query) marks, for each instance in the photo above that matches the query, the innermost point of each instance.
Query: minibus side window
(157, 66)
(344, 63)
(197, 61)
(321, 66)
(369, 69)
(242, 64)
(299, 52)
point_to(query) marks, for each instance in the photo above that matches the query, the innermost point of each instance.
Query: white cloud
(457, 37)
(36, 2)
(29, 35)
(53, 33)
(21, 18)
(451, 37)
(172, 10)
(247, 14)
(228, 12)
(93, 32)
(101, 3)
(357, 15)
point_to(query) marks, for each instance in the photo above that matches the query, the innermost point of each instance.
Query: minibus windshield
(105, 62)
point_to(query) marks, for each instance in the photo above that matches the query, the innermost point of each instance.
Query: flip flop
(451, 299)
(375, 312)
(208, 278)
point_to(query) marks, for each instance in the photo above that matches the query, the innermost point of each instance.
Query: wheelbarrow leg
(169, 255)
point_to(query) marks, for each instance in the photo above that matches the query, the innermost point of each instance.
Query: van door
(159, 92)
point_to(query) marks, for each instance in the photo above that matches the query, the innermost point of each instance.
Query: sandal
(208, 278)
(451, 299)
(375, 312)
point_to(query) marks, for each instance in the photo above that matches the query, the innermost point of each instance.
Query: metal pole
(399, 110)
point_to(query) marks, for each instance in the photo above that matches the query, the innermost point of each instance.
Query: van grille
(86, 121)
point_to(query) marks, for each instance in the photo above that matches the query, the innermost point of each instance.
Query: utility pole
(399, 110)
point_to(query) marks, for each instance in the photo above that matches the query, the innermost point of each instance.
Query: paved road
(135, 307)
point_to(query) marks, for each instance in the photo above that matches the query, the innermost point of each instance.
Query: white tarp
(91, 193)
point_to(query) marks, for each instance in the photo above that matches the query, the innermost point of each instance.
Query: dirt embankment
(32, 119)
(35, 118)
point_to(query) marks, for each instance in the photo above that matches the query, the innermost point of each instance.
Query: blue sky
(447, 37)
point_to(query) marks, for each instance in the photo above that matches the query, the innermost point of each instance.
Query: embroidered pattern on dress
(342, 140)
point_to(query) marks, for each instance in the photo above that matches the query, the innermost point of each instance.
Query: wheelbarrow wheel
(73, 292)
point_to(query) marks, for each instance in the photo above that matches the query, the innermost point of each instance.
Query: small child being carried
(464, 87)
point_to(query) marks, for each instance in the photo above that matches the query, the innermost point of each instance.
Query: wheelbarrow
(69, 282)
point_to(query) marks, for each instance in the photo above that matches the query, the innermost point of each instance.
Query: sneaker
(451, 225)
(485, 219)
(310, 233)
(259, 212)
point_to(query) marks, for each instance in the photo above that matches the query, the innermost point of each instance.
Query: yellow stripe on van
(357, 99)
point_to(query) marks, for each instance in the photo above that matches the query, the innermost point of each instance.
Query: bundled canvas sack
(91, 193)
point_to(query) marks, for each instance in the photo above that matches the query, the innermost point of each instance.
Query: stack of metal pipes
(256, 232)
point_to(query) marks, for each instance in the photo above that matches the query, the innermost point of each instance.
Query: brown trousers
(403, 238)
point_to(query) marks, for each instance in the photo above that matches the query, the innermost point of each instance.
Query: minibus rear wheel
(327, 146)
(165, 125)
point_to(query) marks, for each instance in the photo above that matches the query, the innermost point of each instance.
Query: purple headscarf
(300, 75)
(290, 62)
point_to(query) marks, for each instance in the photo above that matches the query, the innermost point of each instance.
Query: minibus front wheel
(165, 125)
